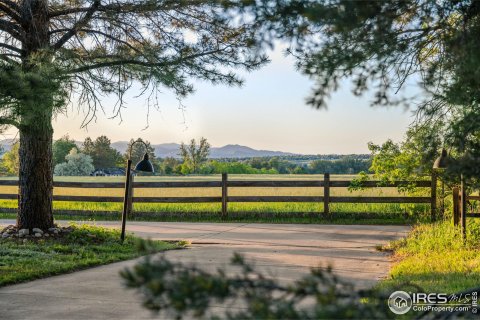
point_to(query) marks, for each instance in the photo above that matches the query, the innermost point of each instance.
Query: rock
(23, 232)
(45, 234)
(52, 229)
(25, 241)
(37, 230)
(38, 235)
(5, 235)
(55, 231)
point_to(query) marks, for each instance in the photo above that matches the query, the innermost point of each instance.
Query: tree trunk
(36, 176)
(35, 152)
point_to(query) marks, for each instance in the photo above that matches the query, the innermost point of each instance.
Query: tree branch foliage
(178, 290)
(83, 50)
(384, 47)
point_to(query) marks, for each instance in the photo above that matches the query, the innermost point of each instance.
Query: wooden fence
(460, 208)
(225, 184)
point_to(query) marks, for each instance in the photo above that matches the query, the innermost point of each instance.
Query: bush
(78, 164)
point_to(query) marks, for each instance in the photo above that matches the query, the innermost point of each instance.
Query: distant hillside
(161, 150)
(238, 151)
(229, 151)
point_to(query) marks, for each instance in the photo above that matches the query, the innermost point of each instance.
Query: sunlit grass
(435, 258)
(86, 246)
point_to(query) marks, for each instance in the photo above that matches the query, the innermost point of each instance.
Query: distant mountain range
(229, 151)
(164, 150)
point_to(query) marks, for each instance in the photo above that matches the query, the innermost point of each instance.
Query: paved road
(283, 250)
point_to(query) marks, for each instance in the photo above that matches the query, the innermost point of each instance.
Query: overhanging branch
(82, 22)
(13, 14)
(9, 122)
(114, 63)
(10, 47)
(12, 29)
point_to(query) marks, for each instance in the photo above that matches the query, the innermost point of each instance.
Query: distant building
(108, 172)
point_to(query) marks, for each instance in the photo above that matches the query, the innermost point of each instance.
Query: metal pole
(125, 198)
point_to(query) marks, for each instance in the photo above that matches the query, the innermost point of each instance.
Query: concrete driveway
(285, 251)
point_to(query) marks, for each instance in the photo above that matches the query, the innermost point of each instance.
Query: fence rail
(225, 184)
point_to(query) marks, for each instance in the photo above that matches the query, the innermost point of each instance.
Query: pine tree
(55, 52)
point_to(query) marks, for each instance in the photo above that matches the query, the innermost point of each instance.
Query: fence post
(326, 193)
(130, 197)
(463, 209)
(224, 195)
(456, 205)
(433, 190)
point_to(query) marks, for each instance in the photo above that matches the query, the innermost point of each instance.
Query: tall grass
(436, 258)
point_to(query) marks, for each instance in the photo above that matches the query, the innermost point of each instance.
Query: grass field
(382, 211)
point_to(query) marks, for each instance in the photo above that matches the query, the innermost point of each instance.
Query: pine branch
(141, 63)
(10, 47)
(81, 23)
(9, 122)
(12, 29)
(12, 13)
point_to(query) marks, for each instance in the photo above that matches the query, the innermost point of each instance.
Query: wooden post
(456, 206)
(326, 193)
(433, 195)
(130, 197)
(224, 195)
(442, 200)
(463, 209)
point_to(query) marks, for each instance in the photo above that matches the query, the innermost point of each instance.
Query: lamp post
(144, 165)
(441, 164)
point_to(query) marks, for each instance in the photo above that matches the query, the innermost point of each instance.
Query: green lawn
(86, 246)
(435, 258)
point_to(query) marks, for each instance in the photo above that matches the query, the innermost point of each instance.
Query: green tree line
(72, 158)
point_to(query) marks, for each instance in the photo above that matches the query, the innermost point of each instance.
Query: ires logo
(429, 298)
(400, 302)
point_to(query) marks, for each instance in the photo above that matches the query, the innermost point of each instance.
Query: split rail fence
(327, 184)
(460, 207)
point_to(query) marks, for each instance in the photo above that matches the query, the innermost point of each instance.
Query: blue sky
(268, 112)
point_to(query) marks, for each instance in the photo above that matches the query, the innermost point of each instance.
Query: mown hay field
(378, 210)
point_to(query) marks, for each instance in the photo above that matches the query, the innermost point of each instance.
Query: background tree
(168, 165)
(139, 151)
(56, 52)
(78, 164)
(11, 160)
(102, 153)
(194, 155)
(61, 148)
(383, 46)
